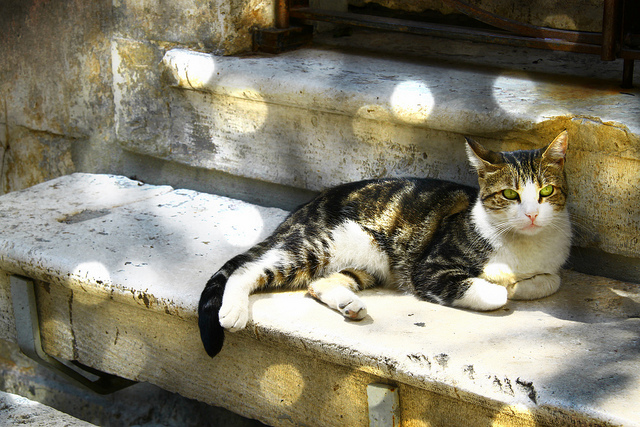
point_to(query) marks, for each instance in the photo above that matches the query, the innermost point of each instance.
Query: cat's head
(521, 191)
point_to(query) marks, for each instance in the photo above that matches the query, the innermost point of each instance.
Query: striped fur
(443, 242)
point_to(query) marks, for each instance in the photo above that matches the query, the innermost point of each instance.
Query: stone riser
(318, 117)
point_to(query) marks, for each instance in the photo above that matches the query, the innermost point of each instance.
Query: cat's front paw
(482, 296)
(234, 315)
(538, 286)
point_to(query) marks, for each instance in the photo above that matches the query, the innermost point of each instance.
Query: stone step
(19, 411)
(323, 115)
(118, 267)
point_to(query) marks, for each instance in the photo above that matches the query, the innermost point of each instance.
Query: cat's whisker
(582, 228)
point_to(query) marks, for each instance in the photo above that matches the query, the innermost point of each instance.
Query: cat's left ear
(482, 159)
(556, 152)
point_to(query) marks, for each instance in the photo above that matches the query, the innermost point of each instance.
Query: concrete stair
(19, 411)
(340, 111)
(118, 266)
(143, 404)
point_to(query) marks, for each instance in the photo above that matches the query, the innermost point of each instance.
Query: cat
(444, 242)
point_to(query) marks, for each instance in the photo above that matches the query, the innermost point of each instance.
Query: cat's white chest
(512, 262)
(520, 258)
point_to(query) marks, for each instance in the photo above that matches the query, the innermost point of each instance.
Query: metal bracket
(28, 334)
(384, 405)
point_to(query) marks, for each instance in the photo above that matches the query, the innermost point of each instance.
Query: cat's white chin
(530, 229)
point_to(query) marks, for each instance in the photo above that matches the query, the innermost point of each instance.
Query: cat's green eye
(510, 194)
(546, 191)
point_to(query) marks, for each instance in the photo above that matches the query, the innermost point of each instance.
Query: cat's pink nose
(532, 217)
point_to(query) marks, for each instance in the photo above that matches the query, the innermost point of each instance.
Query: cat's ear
(482, 159)
(557, 150)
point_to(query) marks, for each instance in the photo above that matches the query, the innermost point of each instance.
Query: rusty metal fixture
(441, 30)
(284, 36)
(282, 14)
(610, 24)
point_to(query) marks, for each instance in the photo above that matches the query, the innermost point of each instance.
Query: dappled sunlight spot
(241, 228)
(282, 384)
(518, 95)
(137, 270)
(513, 86)
(241, 109)
(412, 102)
(191, 69)
(92, 271)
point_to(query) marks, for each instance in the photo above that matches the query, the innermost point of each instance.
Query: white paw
(483, 296)
(234, 315)
(538, 286)
(353, 309)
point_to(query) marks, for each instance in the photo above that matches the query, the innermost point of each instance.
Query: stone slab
(479, 100)
(139, 255)
(19, 411)
(142, 404)
(320, 116)
(115, 234)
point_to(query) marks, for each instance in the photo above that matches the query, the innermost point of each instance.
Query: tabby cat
(443, 242)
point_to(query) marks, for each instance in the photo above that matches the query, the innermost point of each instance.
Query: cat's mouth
(531, 228)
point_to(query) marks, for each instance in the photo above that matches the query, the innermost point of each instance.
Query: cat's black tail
(211, 332)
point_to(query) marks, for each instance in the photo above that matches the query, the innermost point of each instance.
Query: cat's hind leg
(338, 292)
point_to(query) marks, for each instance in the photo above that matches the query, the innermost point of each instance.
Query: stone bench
(118, 268)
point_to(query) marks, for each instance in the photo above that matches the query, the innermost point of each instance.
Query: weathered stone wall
(219, 26)
(55, 88)
(56, 73)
